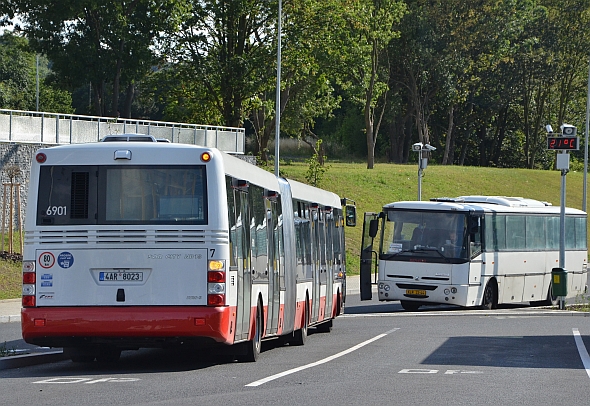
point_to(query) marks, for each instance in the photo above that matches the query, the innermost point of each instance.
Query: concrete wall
(21, 156)
(15, 156)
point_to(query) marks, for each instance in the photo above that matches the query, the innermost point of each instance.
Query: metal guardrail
(18, 126)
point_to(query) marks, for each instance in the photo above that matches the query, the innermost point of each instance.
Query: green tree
(106, 43)
(224, 45)
(364, 40)
(309, 65)
(18, 74)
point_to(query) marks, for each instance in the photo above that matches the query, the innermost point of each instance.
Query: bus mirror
(350, 215)
(373, 228)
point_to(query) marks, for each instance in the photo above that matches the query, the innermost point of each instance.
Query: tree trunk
(449, 138)
(130, 94)
(370, 136)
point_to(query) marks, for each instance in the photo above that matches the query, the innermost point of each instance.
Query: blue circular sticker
(65, 260)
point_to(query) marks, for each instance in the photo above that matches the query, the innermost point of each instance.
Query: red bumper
(49, 325)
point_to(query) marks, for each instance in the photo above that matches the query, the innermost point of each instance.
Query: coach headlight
(386, 287)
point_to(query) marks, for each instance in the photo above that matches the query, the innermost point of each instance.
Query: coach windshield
(411, 234)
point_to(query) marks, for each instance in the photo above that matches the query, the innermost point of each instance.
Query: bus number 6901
(56, 211)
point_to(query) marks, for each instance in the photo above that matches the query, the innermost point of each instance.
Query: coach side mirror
(373, 228)
(350, 215)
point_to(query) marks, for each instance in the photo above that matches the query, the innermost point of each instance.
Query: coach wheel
(490, 296)
(300, 336)
(253, 347)
(410, 306)
(550, 300)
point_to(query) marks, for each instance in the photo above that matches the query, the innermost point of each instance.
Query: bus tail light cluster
(216, 283)
(29, 281)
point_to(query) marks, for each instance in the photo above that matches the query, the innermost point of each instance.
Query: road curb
(10, 319)
(19, 361)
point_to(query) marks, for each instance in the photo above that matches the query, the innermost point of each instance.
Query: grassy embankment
(387, 183)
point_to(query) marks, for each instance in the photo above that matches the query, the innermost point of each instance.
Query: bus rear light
(28, 266)
(28, 290)
(199, 321)
(216, 265)
(29, 301)
(29, 278)
(215, 288)
(39, 322)
(216, 277)
(215, 300)
(205, 157)
(41, 157)
(216, 282)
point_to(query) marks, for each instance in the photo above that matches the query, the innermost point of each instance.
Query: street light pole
(420, 176)
(586, 141)
(278, 97)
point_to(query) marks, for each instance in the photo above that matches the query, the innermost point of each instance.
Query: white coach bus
(148, 244)
(471, 251)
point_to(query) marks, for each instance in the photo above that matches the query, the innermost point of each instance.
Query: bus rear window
(122, 195)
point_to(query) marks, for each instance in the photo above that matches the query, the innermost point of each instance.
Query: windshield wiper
(425, 248)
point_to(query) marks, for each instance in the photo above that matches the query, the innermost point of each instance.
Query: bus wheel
(410, 306)
(253, 347)
(325, 327)
(108, 354)
(490, 296)
(300, 336)
(549, 301)
(80, 354)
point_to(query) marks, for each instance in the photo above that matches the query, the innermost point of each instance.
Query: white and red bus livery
(148, 244)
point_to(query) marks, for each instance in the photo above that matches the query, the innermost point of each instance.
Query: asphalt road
(375, 354)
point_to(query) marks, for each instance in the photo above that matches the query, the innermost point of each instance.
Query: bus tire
(339, 304)
(325, 327)
(253, 346)
(549, 301)
(77, 354)
(108, 354)
(489, 300)
(300, 336)
(410, 306)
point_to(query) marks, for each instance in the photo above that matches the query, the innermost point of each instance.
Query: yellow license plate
(415, 292)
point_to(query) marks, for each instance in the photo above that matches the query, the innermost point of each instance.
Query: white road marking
(86, 380)
(322, 361)
(582, 350)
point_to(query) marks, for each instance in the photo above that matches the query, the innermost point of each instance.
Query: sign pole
(567, 141)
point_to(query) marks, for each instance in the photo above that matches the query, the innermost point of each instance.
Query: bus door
(244, 275)
(323, 258)
(330, 263)
(370, 227)
(316, 266)
(272, 321)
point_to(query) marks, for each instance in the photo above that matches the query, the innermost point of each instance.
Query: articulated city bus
(472, 251)
(149, 244)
